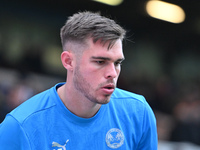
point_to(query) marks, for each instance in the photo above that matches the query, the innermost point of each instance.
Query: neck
(77, 103)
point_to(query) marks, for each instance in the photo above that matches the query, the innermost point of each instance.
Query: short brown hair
(86, 24)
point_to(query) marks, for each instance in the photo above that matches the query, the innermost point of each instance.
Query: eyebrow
(106, 58)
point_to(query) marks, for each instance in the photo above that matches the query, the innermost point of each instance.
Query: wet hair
(84, 25)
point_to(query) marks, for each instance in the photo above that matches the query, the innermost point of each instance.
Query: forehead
(100, 49)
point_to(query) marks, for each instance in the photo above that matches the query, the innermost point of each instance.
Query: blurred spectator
(18, 94)
(3, 112)
(165, 125)
(164, 94)
(187, 114)
(13, 94)
(16, 87)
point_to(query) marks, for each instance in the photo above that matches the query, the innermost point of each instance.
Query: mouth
(108, 89)
(110, 86)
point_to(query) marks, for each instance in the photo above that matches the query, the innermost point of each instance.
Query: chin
(105, 101)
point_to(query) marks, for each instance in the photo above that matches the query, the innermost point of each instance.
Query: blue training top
(44, 123)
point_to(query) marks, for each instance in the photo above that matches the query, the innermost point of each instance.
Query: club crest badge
(114, 138)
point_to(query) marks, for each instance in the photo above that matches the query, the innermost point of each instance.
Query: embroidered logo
(114, 138)
(60, 147)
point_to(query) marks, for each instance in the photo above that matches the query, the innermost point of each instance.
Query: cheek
(88, 73)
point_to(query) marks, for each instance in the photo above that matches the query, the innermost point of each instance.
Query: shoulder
(135, 106)
(132, 103)
(33, 106)
(128, 96)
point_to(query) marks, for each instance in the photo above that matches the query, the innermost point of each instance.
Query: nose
(112, 71)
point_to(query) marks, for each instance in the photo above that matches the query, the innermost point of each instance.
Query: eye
(100, 62)
(118, 63)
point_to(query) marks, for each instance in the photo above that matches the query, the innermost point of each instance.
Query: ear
(67, 60)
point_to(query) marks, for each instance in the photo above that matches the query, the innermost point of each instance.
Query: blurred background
(162, 57)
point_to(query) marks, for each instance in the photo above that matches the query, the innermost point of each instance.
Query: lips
(109, 86)
(108, 89)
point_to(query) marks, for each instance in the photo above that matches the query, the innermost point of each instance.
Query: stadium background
(162, 59)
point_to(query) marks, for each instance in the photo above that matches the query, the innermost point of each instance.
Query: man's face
(97, 71)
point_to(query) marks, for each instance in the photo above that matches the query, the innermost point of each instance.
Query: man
(88, 111)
